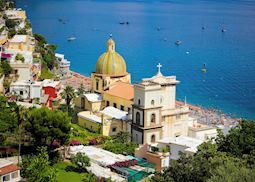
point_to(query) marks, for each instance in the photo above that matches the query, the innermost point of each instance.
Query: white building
(27, 90)
(158, 121)
(155, 115)
(64, 66)
(180, 144)
(9, 172)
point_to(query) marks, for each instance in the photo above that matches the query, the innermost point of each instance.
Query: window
(15, 174)
(107, 103)
(115, 105)
(153, 138)
(129, 109)
(137, 117)
(161, 99)
(21, 92)
(153, 118)
(97, 84)
(122, 107)
(152, 102)
(82, 102)
(105, 83)
(6, 177)
(139, 102)
(114, 129)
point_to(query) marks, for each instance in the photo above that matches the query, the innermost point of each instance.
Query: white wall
(36, 92)
(149, 113)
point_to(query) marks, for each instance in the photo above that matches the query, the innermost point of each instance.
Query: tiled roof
(122, 90)
(8, 169)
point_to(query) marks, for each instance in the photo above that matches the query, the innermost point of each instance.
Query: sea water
(149, 38)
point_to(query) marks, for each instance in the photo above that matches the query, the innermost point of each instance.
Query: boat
(60, 19)
(178, 42)
(127, 22)
(71, 38)
(204, 69)
(223, 30)
(121, 23)
(203, 28)
(158, 28)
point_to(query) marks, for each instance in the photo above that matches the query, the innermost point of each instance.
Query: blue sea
(154, 26)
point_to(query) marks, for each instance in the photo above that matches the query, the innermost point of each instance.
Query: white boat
(178, 42)
(71, 38)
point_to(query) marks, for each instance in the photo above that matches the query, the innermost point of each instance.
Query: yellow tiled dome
(110, 62)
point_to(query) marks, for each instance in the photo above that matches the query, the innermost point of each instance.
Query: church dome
(110, 62)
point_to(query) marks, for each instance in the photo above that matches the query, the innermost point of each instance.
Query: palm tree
(81, 90)
(68, 94)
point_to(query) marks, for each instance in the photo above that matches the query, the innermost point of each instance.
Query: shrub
(20, 57)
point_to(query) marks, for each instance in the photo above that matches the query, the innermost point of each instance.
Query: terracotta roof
(122, 90)
(8, 169)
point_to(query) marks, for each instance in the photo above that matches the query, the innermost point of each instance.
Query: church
(147, 109)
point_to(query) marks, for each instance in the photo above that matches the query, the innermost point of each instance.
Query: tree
(6, 68)
(80, 90)
(232, 172)
(37, 168)
(46, 125)
(240, 140)
(68, 94)
(11, 32)
(81, 161)
(89, 177)
(10, 24)
(8, 120)
(40, 39)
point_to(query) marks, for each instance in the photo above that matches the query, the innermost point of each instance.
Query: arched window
(153, 118)
(139, 102)
(152, 102)
(137, 117)
(153, 139)
(97, 84)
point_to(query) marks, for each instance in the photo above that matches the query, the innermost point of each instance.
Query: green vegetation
(6, 68)
(46, 74)
(8, 121)
(80, 161)
(63, 175)
(22, 31)
(68, 94)
(20, 57)
(89, 177)
(81, 134)
(231, 158)
(46, 50)
(120, 144)
(10, 23)
(11, 33)
(80, 90)
(45, 126)
(37, 167)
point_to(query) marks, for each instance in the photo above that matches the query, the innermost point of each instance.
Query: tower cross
(159, 66)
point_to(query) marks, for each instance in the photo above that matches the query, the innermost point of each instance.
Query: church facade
(154, 114)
